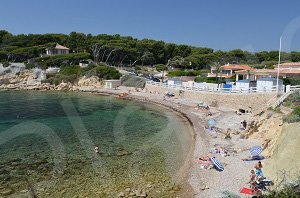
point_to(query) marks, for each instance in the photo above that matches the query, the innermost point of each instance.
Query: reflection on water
(47, 145)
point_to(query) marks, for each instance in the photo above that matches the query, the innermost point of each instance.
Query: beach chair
(218, 166)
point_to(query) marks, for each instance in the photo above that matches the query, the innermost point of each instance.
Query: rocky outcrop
(27, 80)
(90, 82)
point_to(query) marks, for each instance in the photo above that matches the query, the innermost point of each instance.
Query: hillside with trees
(128, 51)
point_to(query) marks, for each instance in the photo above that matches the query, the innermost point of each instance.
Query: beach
(198, 182)
(207, 183)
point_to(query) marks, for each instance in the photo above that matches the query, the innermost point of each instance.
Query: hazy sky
(252, 25)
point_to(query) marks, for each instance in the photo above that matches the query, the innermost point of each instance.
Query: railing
(213, 89)
(295, 88)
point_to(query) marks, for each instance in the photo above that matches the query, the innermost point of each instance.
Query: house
(186, 81)
(288, 66)
(228, 70)
(286, 70)
(112, 84)
(57, 50)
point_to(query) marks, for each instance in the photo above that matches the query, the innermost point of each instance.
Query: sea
(48, 140)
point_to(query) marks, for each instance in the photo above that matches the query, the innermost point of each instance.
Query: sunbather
(250, 158)
(205, 162)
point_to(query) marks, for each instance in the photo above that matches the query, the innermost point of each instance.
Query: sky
(253, 25)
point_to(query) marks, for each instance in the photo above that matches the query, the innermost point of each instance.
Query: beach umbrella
(256, 150)
(217, 164)
(212, 122)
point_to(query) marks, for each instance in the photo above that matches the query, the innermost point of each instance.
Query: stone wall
(256, 101)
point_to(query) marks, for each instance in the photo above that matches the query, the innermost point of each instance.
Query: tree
(77, 41)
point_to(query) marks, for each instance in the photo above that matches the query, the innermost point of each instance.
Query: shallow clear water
(47, 143)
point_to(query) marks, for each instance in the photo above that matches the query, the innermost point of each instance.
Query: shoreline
(197, 182)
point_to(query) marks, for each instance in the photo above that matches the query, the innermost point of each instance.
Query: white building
(269, 84)
(57, 50)
(244, 85)
(111, 84)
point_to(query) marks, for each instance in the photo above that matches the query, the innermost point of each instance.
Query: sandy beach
(202, 182)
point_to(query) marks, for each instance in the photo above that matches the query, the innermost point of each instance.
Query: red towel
(246, 191)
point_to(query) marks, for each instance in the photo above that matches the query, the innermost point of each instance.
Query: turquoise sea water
(47, 143)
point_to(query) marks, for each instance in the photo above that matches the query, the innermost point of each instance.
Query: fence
(222, 90)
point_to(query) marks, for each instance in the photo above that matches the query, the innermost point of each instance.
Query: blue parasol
(256, 151)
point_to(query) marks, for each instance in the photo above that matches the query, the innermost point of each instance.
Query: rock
(121, 194)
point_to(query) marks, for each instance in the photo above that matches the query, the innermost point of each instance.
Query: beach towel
(255, 151)
(247, 191)
(218, 166)
(212, 122)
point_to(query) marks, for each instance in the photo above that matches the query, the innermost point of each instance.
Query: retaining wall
(256, 101)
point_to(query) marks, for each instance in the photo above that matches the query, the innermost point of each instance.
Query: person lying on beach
(250, 158)
(223, 152)
(205, 162)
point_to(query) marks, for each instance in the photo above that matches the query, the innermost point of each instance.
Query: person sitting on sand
(252, 181)
(258, 171)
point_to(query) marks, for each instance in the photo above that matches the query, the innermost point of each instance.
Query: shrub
(161, 67)
(58, 60)
(291, 81)
(70, 70)
(294, 116)
(137, 68)
(207, 79)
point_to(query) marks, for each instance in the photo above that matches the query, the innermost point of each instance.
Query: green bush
(58, 60)
(137, 68)
(296, 111)
(70, 70)
(294, 116)
(161, 67)
(188, 73)
(291, 81)
(208, 79)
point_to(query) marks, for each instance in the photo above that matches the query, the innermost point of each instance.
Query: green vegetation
(58, 60)
(187, 73)
(71, 73)
(161, 67)
(129, 51)
(293, 101)
(208, 79)
(291, 81)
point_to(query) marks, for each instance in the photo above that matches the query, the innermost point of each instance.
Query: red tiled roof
(58, 46)
(291, 64)
(270, 71)
(235, 67)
